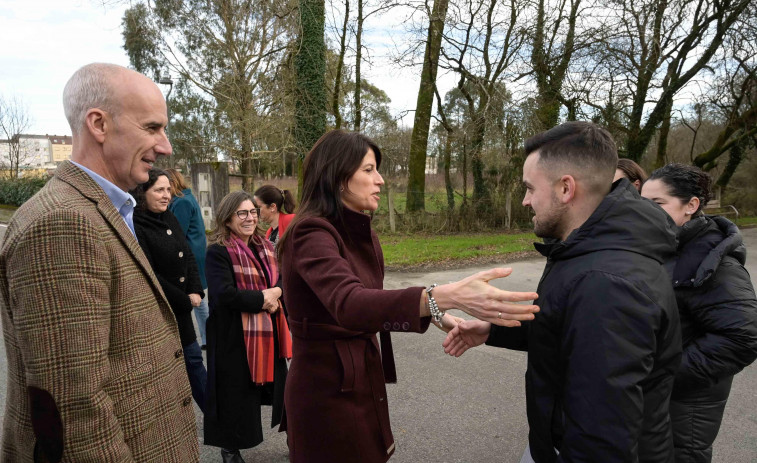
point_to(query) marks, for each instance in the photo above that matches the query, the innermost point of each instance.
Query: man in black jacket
(605, 346)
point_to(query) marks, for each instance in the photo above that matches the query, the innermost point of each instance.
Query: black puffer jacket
(603, 350)
(718, 312)
(716, 302)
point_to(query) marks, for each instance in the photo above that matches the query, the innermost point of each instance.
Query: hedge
(16, 191)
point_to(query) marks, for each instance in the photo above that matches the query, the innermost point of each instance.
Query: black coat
(232, 410)
(161, 238)
(604, 348)
(718, 311)
(716, 301)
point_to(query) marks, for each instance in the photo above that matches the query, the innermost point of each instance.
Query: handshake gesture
(476, 297)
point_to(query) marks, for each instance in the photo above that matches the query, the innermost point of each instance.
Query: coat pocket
(134, 399)
(348, 365)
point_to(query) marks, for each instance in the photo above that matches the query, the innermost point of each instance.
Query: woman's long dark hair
(139, 191)
(335, 157)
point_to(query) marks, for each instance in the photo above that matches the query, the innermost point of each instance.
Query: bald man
(95, 367)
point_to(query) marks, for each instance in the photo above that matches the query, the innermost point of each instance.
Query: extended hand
(467, 334)
(475, 296)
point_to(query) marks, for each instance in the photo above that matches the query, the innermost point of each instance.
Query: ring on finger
(499, 315)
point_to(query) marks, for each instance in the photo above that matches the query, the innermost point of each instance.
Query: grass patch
(6, 212)
(741, 221)
(401, 251)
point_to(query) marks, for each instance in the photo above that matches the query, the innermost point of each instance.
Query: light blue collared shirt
(121, 199)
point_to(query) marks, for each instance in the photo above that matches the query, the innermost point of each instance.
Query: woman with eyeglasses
(248, 336)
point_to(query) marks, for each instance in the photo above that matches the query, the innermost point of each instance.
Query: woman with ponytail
(276, 208)
(717, 305)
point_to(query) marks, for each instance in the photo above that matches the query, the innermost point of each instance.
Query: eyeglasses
(242, 213)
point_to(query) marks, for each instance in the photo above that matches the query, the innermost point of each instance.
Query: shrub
(17, 191)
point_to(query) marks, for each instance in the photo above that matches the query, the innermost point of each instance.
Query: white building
(37, 151)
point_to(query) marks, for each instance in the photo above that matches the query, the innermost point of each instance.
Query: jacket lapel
(79, 179)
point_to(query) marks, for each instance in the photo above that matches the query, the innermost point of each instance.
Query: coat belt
(357, 348)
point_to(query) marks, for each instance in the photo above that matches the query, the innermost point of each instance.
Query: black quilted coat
(718, 312)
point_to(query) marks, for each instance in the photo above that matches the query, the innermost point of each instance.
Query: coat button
(406, 326)
(181, 280)
(186, 401)
(169, 232)
(396, 326)
(387, 326)
(177, 354)
(181, 253)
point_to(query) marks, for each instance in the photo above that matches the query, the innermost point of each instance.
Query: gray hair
(90, 87)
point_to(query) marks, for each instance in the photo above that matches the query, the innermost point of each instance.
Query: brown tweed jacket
(95, 365)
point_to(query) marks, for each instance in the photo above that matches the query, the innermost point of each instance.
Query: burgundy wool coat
(335, 396)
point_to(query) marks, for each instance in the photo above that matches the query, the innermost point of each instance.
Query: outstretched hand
(475, 296)
(467, 334)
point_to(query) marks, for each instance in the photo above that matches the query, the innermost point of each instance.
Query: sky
(43, 42)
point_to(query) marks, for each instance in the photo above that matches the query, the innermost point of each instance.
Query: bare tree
(656, 48)
(481, 43)
(733, 97)
(235, 52)
(14, 121)
(416, 184)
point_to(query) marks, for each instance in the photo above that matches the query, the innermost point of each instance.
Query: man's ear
(566, 189)
(97, 122)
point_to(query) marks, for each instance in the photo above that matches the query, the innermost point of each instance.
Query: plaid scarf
(257, 328)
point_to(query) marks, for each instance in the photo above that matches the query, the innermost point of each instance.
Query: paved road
(472, 409)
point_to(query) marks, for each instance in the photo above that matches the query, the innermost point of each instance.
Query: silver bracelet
(433, 307)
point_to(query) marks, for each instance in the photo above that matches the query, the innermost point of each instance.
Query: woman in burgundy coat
(333, 270)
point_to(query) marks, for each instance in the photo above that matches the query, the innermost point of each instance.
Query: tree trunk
(480, 192)
(310, 68)
(358, 59)
(339, 67)
(735, 157)
(662, 143)
(447, 177)
(390, 202)
(416, 183)
(508, 208)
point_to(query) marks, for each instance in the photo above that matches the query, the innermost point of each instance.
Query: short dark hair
(685, 182)
(327, 168)
(139, 191)
(585, 149)
(632, 171)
